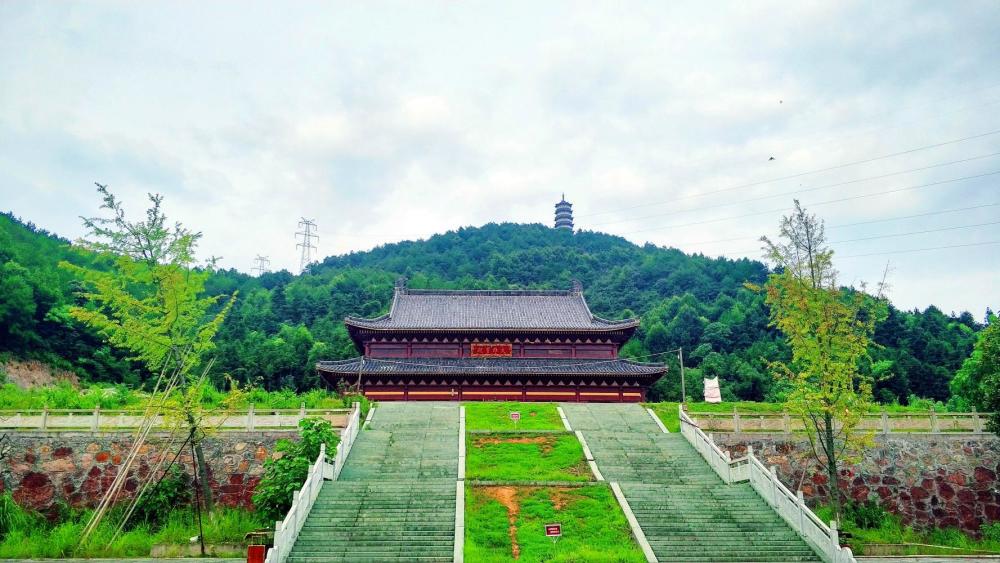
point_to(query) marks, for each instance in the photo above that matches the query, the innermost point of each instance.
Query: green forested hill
(283, 323)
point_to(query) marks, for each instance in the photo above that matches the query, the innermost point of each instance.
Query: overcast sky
(392, 121)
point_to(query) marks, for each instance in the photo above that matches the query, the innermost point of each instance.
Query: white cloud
(401, 120)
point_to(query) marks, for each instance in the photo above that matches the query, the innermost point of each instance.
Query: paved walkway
(395, 498)
(685, 510)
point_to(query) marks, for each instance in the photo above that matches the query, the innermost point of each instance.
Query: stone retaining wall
(42, 468)
(928, 479)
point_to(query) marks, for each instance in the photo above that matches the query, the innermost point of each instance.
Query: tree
(17, 304)
(829, 331)
(977, 382)
(989, 371)
(284, 475)
(151, 303)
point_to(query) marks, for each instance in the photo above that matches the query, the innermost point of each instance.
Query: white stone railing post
(774, 487)
(800, 501)
(95, 423)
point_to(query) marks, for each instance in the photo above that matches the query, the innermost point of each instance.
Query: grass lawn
(496, 416)
(500, 521)
(525, 457)
(29, 536)
(667, 411)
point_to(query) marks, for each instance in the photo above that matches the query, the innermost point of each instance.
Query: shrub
(285, 475)
(867, 515)
(991, 531)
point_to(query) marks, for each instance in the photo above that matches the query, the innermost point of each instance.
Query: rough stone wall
(42, 468)
(929, 480)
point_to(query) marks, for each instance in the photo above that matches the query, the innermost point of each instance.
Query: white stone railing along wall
(791, 507)
(880, 422)
(111, 420)
(287, 530)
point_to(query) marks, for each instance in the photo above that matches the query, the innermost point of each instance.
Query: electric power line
(896, 235)
(912, 250)
(827, 202)
(841, 225)
(803, 190)
(801, 174)
(954, 228)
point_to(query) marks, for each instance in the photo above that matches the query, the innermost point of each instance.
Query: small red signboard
(515, 416)
(492, 350)
(553, 530)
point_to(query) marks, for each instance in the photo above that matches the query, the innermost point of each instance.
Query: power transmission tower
(261, 265)
(307, 233)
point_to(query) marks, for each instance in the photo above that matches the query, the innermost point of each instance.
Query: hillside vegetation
(282, 323)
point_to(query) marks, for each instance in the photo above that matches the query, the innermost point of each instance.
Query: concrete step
(685, 510)
(395, 497)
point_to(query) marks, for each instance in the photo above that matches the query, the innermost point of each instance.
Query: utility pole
(261, 264)
(680, 358)
(307, 233)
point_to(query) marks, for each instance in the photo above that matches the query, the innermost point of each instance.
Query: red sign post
(553, 531)
(515, 416)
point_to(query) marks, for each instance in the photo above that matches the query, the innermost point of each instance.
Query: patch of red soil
(27, 374)
(547, 442)
(561, 496)
(508, 497)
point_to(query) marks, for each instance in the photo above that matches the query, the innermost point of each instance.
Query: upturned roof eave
(351, 366)
(371, 324)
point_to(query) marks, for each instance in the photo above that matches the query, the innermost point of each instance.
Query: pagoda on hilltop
(487, 345)
(564, 214)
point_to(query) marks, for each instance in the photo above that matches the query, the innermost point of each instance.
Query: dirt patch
(27, 374)
(561, 496)
(508, 497)
(547, 442)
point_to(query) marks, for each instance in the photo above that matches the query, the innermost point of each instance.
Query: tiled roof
(417, 309)
(540, 366)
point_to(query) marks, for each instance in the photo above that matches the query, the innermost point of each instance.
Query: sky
(687, 125)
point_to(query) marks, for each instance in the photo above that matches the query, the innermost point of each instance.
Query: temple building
(492, 345)
(564, 214)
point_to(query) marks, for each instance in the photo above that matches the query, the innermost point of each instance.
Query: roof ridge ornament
(577, 286)
(401, 283)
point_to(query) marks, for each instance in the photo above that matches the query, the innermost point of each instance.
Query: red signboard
(515, 416)
(553, 530)
(492, 350)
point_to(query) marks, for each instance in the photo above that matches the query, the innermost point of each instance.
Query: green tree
(17, 305)
(151, 303)
(829, 331)
(977, 382)
(284, 475)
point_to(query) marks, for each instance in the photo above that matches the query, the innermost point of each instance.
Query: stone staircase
(685, 510)
(395, 498)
